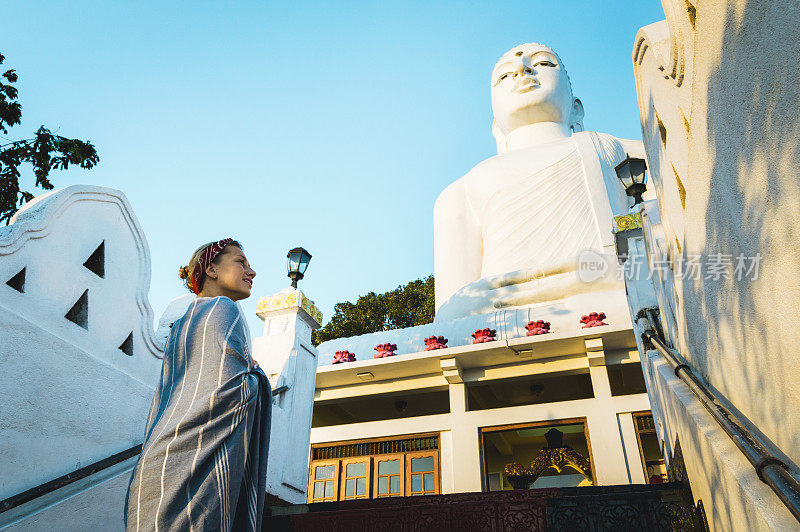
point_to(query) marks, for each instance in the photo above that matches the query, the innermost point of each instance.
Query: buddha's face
(529, 85)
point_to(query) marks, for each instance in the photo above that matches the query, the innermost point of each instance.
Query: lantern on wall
(631, 172)
(297, 262)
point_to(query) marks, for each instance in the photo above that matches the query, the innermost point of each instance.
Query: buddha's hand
(547, 282)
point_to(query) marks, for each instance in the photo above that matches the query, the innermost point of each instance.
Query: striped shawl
(204, 460)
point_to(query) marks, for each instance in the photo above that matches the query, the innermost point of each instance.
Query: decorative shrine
(484, 335)
(385, 350)
(537, 327)
(435, 342)
(555, 455)
(593, 320)
(343, 356)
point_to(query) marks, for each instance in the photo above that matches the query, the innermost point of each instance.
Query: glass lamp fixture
(297, 262)
(631, 172)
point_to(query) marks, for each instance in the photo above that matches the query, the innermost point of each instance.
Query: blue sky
(331, 125)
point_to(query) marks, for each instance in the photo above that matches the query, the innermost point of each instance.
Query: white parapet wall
(718, 85)
(78, 353)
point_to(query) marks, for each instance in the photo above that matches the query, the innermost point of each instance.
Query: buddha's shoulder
(610, 144)
(457, 190)
(521, 158)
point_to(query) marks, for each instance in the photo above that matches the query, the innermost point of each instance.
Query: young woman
(204, 459)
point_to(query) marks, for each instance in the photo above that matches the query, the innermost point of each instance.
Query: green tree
(44, 152)
(405, 306)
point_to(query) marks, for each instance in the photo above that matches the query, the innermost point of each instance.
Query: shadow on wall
(746, 332)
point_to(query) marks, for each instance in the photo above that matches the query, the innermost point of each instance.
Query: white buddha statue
(509, 233)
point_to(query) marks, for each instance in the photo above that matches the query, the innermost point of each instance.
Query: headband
(206, 258)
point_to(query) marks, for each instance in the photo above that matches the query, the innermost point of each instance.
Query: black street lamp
(298, 259)
(631, 172)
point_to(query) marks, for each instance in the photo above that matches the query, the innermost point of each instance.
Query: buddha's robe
(545, 211)
(204, 459)
(525, 209)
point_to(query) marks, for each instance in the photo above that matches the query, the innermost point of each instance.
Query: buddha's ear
(576, 116)
(499, 138)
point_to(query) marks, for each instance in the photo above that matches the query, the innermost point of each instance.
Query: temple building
(449, 420)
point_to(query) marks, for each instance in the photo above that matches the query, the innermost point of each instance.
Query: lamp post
(631, 172)
(297, 262)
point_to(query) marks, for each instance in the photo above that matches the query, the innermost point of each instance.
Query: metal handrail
(771, 470)
(69, 478)
(280, 389)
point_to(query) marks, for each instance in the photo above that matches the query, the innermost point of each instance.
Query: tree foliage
(405, 306)
(44, 152)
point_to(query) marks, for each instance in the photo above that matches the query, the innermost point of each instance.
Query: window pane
(350, 487)
(319, 487)
(383, 485)
(395, 483)
(324, 472)
(416, 482)
(389, 467)
(361, 486)
(329, 489)
(422, 464)
(357, 470)
(429, 482)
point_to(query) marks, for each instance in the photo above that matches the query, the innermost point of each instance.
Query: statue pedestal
(286, 355)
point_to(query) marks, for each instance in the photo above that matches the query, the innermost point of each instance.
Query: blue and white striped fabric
(204, 460)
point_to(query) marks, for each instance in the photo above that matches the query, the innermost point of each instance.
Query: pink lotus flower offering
(537, 327)
(484, 335)
(593, 320)
(385, 350)
(343, 356)
(435, 342)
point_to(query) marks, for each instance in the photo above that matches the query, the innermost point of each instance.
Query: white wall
(70, 395)
(564, 317)
(718, 84)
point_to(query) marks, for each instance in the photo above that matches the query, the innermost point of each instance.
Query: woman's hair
(187, 272)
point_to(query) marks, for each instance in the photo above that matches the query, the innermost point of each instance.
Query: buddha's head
(531, 85)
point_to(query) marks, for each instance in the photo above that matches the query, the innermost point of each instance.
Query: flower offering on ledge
(385, 350)
(435, 342)
(343, 356)
(593, 320)
(484, 335)
(537, 327)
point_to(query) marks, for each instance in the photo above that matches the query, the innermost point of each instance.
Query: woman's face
(231, 273)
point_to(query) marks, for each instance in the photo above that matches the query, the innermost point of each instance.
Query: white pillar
(286, 355)
(610, 467)
(464, 446)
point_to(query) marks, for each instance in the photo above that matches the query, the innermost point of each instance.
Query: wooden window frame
(311, 480)
(533, 425)
(436, 472)
(634, 416)
(355, 460)
(385, 458)
(375, 440)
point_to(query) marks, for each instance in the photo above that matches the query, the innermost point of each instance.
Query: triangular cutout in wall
(18, 281)
(127, 345)
(79, 313)
(96, 262)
